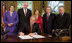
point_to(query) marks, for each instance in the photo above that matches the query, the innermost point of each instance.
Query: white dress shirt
(24, 10)
(48, 14)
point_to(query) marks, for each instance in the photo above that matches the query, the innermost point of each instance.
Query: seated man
(31, 28)
(62, 22)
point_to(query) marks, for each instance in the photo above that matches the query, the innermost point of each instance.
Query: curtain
(13, 3)
(36, 5)
(68, 10)
(67, 5)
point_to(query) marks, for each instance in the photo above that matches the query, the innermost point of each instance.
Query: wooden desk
(15, 38)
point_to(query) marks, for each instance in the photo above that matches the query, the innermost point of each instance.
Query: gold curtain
(45, 5)
(36, 5)
(13, 3)
(68, 10)
(67, 6)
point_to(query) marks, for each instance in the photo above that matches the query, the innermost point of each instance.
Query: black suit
(22, 18)
(62, 22)
(48, 25)
(27, 28)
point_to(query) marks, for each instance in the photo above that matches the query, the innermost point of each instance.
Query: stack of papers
(31, 37)
(38, 36)
(25, 37)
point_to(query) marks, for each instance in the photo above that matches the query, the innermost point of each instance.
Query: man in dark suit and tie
(62, 21)
(24, 15)
(48, 20)
(31, 28)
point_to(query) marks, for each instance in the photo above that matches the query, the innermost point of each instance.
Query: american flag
(3, 11)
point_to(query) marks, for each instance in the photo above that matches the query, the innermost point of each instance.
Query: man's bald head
(25, 5)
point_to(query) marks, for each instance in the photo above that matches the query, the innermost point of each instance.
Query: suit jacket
(48, 25)
(27, 28)
(22, 18)
(62, 22)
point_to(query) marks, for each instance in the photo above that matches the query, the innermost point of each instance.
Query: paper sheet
(25, 37)
(31, 37)
(38, 36)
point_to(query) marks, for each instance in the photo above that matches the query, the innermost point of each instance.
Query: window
(21, 3)
(55, 4)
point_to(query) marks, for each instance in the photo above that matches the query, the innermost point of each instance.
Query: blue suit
(11, 19)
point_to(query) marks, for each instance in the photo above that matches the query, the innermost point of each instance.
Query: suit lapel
(27, 13)
(23, 12)
(63, 17)
(48, 18)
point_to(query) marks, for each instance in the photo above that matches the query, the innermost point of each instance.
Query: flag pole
(43, 9)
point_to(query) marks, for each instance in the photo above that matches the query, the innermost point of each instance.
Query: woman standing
(39, 19)
(11, 20)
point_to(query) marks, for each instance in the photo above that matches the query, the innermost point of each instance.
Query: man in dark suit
(24, 15)
(31, 28)
(62, 21)
(48, 20)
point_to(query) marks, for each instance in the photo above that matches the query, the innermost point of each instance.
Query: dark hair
(11, 5)
(39, 12)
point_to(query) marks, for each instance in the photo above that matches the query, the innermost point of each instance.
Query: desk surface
(15, 38)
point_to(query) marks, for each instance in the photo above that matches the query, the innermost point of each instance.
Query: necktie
(47, 17)
(25, 12)
(31, 28)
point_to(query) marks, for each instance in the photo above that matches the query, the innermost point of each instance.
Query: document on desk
(31, 37)
(25, 37)
(38, 36)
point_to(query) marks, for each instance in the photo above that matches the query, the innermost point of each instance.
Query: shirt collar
(48, 14)
(24, 10)
(62, 14)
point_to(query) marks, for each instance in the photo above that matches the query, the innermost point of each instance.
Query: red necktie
(31, 28)
(47, 17)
